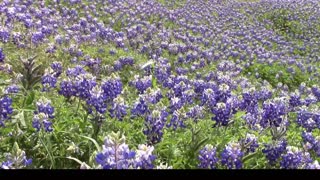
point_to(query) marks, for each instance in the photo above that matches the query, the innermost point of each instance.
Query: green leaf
(94, 142)
(201, 143)
(249, 156)
(75, 159)
(20, 118)
(30, 98)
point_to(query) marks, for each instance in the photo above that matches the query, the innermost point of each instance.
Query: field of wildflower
(159, 84)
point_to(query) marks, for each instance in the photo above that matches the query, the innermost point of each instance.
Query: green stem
(41, 137)
(96, 126)
(79, 102)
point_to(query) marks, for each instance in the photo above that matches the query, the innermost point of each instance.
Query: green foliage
(269, 73)
(281, 22)
(30, 71)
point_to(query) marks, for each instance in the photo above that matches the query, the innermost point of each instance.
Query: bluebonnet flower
(222, 114)
(118, 109)
(179, 88)
(250, 101)
(2, 55)
(162, 70)
(141, 84)
(12, 89)
(51, 49)
(59, 39)
(42, 120)
(119, 43)
(93, 64)
(175, 104)
(274, 151)
(316, 91)
(28, 23)
(154, 124)
(294, 158)
(302, 87)
(37, 37)
(123, 61)
(48, 81)
(308, 138)
(43, 115)
(112, 87)
(152, 95)
(75, 71)
(196, 112)
(67, 88)
(295, 100)
(231, 156)
(273, 113)
(144, 158)
(5, 109)
(264, 94)
(16, 160)
(310, 99)
(314, 165)
(311, 142)
(199, 86)
(249, 144)
(169, 82)
(307, 119)
(208, 157)
(177, 119)
(235, 103)
(57, 68)
(188, 96)
(252, 120)
(223, 93)
(44, 106)
(115, 153)
(113, 51)
(97, 99)
(4, 35)
(83, 84)
(6, 68)
(140, 107)
(208, 98)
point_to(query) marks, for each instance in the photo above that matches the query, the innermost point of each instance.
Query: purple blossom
(295, 159)
(140, 107)
(115, 154)
(144, 158)
(177, 119)
(208, 157)
(112, 87)
(274, 151)
(12, 89)
(97, 100)
(4, 35)
(118, 109)
(43, 115)
(249, 144)
(2, 55)
(231, 156)
(57, 68)
(222, 114)
(208, 98)
(16, 160)
(5, 109)
(273, 113)
(48, 81)
(154, 124)
(142, 84)
(37, 38)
